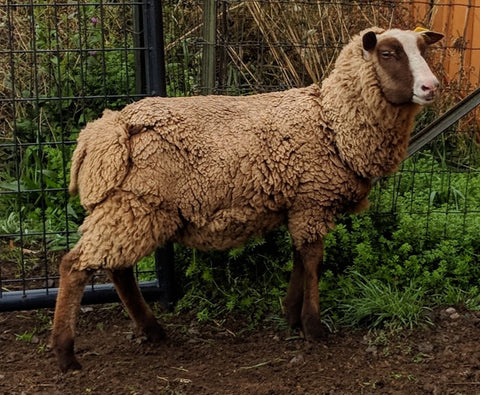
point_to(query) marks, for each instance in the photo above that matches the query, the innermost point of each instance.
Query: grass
(376, 304)
(24, 337)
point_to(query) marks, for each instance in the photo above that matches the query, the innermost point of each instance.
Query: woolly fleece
(212, 171)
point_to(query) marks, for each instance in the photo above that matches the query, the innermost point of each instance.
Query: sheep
(212, 171)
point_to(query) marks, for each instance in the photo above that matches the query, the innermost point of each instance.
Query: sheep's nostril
(430, 87)
(429, 90)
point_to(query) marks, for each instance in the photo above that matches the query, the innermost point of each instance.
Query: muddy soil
(224, 358)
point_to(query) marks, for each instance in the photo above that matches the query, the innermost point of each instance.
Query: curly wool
(212, 171)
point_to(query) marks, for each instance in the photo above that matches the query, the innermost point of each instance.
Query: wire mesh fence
(62, 63)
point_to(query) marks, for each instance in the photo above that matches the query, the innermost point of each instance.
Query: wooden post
(209, 38)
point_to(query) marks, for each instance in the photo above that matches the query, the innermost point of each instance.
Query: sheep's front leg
(302, 300)
(70, 292)
(294, 299)
(129, 293)
(312, 256)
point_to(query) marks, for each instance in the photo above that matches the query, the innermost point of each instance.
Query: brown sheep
(212, 171)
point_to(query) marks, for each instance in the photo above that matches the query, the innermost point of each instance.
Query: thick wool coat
(212, 171)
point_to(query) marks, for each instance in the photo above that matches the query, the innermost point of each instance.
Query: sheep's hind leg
(70, 292)
(139, 311)
(294, 299)
(311, 257)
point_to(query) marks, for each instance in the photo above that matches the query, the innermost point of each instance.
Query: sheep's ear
(369, 41)
(431, 37)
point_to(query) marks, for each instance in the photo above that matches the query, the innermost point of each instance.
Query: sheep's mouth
(423, 99)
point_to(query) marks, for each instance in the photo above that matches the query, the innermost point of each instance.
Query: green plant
(421, 226)
(145, 268)
(25, 337)
(374, 304)
(249, 280)
(72, 86)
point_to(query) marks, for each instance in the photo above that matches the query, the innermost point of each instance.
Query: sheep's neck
(371, 134)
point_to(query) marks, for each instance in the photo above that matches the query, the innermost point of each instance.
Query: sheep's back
(222, 162)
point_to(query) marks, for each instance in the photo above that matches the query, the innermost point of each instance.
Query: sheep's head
(399, 57)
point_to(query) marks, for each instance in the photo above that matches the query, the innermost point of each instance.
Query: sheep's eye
(386, 54)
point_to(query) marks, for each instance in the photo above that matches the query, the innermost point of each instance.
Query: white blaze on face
(425, 84)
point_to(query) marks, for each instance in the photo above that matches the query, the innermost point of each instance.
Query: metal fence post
(209, 38)
(156, 86)
(151, 79)
(154, 54)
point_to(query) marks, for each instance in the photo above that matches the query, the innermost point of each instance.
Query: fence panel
(61, 64)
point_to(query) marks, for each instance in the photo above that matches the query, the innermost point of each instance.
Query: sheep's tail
(77, 159)
(100, 160)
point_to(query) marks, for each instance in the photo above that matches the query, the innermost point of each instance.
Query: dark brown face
(394, 71)
(402, 71)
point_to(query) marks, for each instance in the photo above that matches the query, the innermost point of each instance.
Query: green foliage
(46, 208)
(182, 52)
(71, 88)
(183, 66)
(455, 296)
(429, 232)
(25, 337)
(145, 268)
(249, 280)
(373, 303)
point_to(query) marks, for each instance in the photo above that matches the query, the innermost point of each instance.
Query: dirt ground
(222, 358)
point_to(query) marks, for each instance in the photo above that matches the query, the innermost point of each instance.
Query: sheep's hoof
(293, 314)
(64, 351)
(154, 333)
(66, 360)
(67, 364)
(313, 329)
(293, 320)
